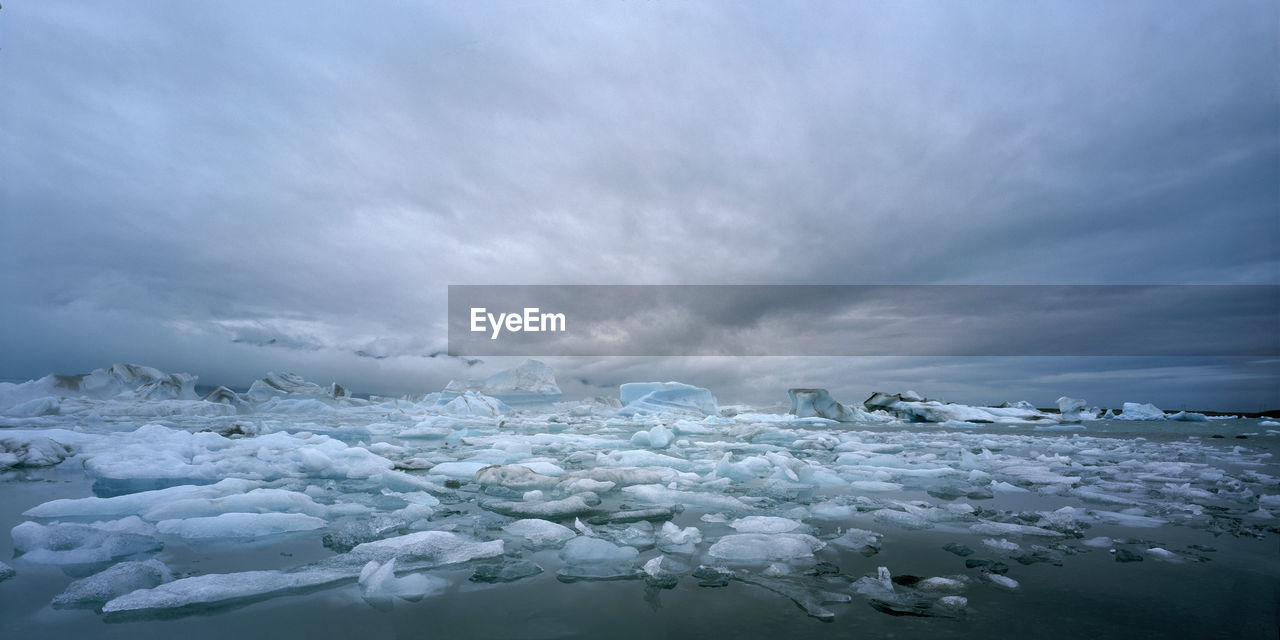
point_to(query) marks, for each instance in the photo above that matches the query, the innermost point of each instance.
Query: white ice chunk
(138, 503)
(753, 548)
(765, 524)
(1011, 529)
(113, 582)
(584, 550)
(658, 494)
(71, 543)
(240, 526)
(464, 470)
(1138, 411)
(540, 533)
(422, 549)
(1002, 545)
(513, 476)
(673, 539)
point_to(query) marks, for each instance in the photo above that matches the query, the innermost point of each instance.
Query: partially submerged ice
(656, 484)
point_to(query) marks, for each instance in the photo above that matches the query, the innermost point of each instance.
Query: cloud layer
(234, 187)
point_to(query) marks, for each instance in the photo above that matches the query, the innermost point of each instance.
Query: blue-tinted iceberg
(666, 398)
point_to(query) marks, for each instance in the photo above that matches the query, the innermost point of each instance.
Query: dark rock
(711, 577)
(1125, 555)
(823, 569)
(505, 572)
(958, 549)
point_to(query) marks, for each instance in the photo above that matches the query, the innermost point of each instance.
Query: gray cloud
(180, 178)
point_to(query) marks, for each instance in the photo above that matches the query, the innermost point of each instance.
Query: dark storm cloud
(231, 187)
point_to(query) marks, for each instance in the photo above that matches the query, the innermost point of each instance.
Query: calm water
(1234, 594)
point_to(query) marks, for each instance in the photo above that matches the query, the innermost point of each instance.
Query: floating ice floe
(75, 543)
(113, 582)
(754, 548)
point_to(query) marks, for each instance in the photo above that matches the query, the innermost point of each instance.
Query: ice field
(135, 507)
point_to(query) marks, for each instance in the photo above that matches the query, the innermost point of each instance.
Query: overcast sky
(227, 188)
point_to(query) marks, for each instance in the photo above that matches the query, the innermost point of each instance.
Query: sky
(232, 188)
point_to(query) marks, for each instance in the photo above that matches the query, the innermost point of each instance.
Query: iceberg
(916, 410)
(809, 403)
(530, 383)
(1139, 411)
(676, 398)
(121, 387)
(470, 403)
(1069, 409)
(278, 385)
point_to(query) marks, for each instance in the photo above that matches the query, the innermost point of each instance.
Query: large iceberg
(1140, 411)
(818, 403)
(666, 398)
(912, 408)
(532, 382)
(275, 385)
(120, 381)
